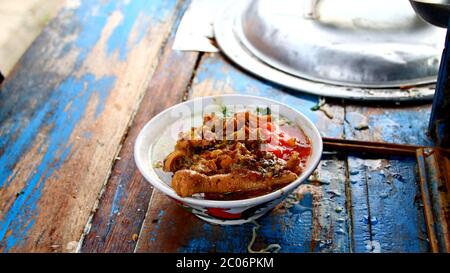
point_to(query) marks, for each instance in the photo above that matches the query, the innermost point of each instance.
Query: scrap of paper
(195, 32)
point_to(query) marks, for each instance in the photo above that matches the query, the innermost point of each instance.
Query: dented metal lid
(364, 43)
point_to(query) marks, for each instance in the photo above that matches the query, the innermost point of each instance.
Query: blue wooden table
(73, 106)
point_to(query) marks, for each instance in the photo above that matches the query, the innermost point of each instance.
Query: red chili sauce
(282, 141)
(285, 139)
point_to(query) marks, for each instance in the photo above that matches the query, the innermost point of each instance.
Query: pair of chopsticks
(441, 164)
(378, 148)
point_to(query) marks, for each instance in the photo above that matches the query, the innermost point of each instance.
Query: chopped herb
(224, 111)
(263, 111)
(318, 105)
(157, 164)
(315, 107)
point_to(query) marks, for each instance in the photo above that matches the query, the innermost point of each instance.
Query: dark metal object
(439, 125)
(228, 30)
(366, 45)
(435, 12)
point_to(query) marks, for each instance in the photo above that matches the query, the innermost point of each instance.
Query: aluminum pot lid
(364, 43)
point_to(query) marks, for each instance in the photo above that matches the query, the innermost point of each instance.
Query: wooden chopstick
(381, 148)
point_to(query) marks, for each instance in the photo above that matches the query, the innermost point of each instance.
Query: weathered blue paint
(396, 219)
(72, 97)
(291, 229)
(6, 133)
(386, 216)
(386, 213)
(115, 208)
(220, 239)
(28, 104)
(157, 11)
(13, 151)
(360, 208)
(400, 125)
(154, 237)
(90, 27)
(331, 215)
(404, 126)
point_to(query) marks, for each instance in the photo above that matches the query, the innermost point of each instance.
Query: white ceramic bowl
(158, 137)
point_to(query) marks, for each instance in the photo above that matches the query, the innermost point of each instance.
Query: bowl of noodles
(228, 159)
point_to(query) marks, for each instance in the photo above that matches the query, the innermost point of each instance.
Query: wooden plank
(389, 217)
(434, 171)
(124, 203)
(63, 113)
(333, 228)
(430, 222)
(402, 124)
(173, 229)
(358, 195)
(308, 224)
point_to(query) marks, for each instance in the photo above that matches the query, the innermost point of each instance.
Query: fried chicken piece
(189, 182)
(172, 161)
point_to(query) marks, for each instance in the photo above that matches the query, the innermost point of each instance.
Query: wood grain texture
(315, 219)
(63, 113)
(169, 228)
(123, 205)
(333, 225)
(434, 171)
(387, 214)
